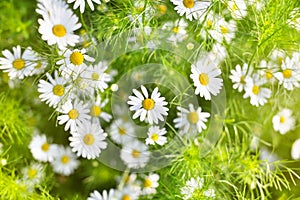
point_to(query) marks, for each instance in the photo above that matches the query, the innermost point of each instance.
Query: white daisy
(41, 150)
(277, 56)
(239, 76)
(47, 8)
(238, 8)
(122, 132)
(135, 154)
(266, 70)
(204, 75)
(217, 54)
(18, 64)
(81, 4)
(88, 141)
(65, 161)
(177, 30)
(96, 110)
(39, 65)
(156, 136)
(53, 91)
(150, 108)
(73, 62)
(258, 95)
(193, 189)
(295, 152)
(73, 114)
(191, 8)
(224, 30)
(283, 121)
(33, 174)
(105, 195)
(188, 119)
(208, 23)
(150, 184)
(294, 19)
(126, 193)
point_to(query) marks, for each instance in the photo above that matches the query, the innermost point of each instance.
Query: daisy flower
(88, 141)
(81, 4)
(191, 118)
(204, 75)
(277, 56)
(18, 64)
(283, 121)
(208, 23)
(96, 110)
(54, 91)
(150, 184)
(294, 20)
(39, 65)
(258, 95)
(156, 136)
(105, 195)
(267, 70)
(239, 76)
(73, 62)
(238, 8)
(191, 8)
(41, 150)
(295, 152)
(224, 30)
(177, 30)
(193, 189)
(33, 174)
(47, 8)
(150, 108)
(122, 132)
(217, 54)
(135, 154)
(65, 161)
(73, 114)
(126, 193)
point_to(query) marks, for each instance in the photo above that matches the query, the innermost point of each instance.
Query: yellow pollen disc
(65, 159)
(73, 114)
(209, 23)
(148, 104)
(189, 3)
(122, 131)
(242, 80)
(136, 153)
(88, 139)
(279, 60)
(147, 183)
(45, 147)
(162, 9)
(193, 117)
(126, 197)
(255, 89)
(58, 90)
(269, 74)
(176, 29)
(18, 64)
(154, 137)
(287, 73)
(59, 30)
(32, 173)
(76, 58)
(224, 29)
(234, 7)
(282, 119)
(95, 111)
(95, 76)
(204, 79)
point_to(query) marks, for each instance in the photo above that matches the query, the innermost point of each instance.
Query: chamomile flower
(33, 174)
(126, 193)
(81, 4)
(18, 64)
(191, 118)
(295, 152)
(238, 8)
(239, 76)
(65, 161)
(105, 195)
(294, 20)
(156, 136)
(205, 76)
(148, 107)
(96, 110)
(73, 62)
(39, 66)
(267, 70)
(135, 154)
(217, 54)
(88, 141)
(209, 23)
(190, 8)
(122, 132)
(54, 91)
(283, 121)
(193, 189)
(277, 56)
(224, 30)
(177, 30)
(41, 150)
(150, 184)
(73, 114)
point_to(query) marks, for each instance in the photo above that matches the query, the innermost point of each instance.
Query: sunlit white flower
(277, 56)
(135, 154)
(217, 54)
(33, 174)
(295, 152)
(96, 110)
(224, 30)
(238, 8)
(39, 65)
(177, 30)
(156, 136)
(205, 77)
(81, 4)
(194, 188)
(208, 23)
(267, 70)
(126, 193)
(105, 195)
(47, 8)
(150, 184)
(257, 4)
(88, 141)
(65, 161)
(122, 132)
(148, 107)
(41, 149)
(283, 121)
(239, 76)
(294, 20)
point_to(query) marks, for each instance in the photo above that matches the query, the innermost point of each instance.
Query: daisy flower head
(33, 174)
(47, 8)
(224, 30)
(156, 136)
(239, 76)
(150, 184)
(81, 4)
(191, 118)
(41, 150)
(122, 132)
(88, 141)
(193, 189)
(238, 8)
(73, 114)
(135, 154)
(295, 152)
(267, 70)
(218, 53)
(277, 56)
(177, 30)
(65, 162)
(151, 108)
(294, 20)
(126, 193)
(96, 110)
(283, 121)
(55, 90)
(105, 195)
(192, 9)
(205, 76)
(17, 64)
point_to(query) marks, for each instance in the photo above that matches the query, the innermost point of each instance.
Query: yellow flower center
(162, 9)
(204, 79)
(95, 111)
(126, 197)
(209, 23)
(122, 131)
(45, 147)
(176, 29)
(76, 58)
(65, 159)
(148, 104)
(59, 30)
(282, 119)
(154, 137)
(193, 117)
(147, 183)
(255, 89)
(189, 3)
(224, 29)
(18, 64)
(95, 76)
(58, 90)
(32, 173)
(234, 7)
(279, 60)
(287, 73)
(73, 114)
(269, 74)
(242, 80)
(88, 139)
(136, 154)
